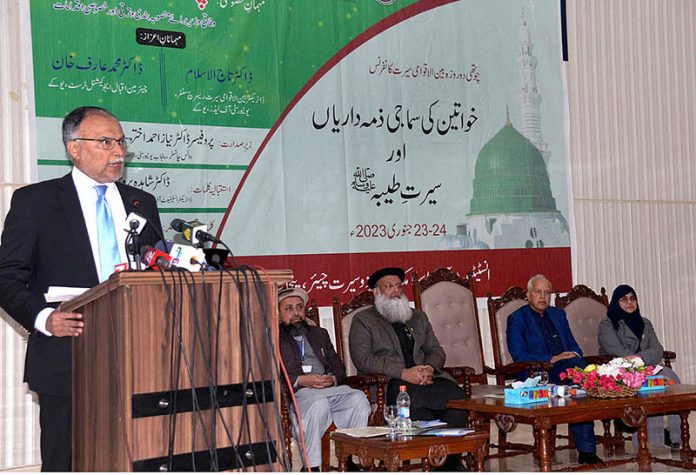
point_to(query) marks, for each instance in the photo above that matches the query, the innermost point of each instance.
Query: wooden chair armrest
(667, 357)
(366, 382)
(459, 372)
(598, 359)
(361, 381)
(514, 368)
(462, 375)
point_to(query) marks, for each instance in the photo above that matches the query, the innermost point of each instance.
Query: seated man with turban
(316, 372)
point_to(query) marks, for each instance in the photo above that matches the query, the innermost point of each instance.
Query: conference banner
(331, 137)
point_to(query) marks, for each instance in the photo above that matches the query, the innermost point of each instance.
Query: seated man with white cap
(316, 371)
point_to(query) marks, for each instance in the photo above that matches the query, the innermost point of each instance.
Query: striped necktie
(106, 236)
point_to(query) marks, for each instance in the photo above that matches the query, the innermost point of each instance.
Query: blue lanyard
(300, 346)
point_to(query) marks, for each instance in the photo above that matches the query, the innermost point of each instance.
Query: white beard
(394, 310)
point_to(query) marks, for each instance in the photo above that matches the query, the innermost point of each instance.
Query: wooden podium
(161, 383)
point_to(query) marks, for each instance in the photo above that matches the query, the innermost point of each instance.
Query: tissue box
(526, 395)
(653, 383)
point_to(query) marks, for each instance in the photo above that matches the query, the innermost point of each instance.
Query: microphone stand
(134, 247)
(204, 237)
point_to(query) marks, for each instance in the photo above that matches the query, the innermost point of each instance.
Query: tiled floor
(568, 458)
(525, 463)
(562, 459)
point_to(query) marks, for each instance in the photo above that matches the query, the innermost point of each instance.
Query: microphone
(187, 256)
(193, 232)
(195, 262)
(156, 259)
(135, 222)
(215, 257)
(134, 200)
(133, 225)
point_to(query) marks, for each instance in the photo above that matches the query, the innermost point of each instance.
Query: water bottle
(403, 402)
(563, 391)
(559, 391)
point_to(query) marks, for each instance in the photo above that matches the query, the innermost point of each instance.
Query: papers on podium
(62, 294)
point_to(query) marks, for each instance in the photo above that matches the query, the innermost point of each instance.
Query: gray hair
(73, 120)
(530, 282)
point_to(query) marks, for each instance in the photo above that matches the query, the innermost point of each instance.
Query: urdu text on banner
(331, 137)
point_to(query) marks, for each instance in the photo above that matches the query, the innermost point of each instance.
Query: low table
(486, 403)
(432, 450)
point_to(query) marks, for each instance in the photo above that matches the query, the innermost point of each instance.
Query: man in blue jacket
(539, 332)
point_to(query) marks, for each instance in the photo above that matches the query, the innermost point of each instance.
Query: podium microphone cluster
(194, 232)
(154, 258)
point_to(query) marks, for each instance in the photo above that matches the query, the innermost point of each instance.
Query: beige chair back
(343, 317)
(585, 309)
(499, 309)
(312, 313)
(450, 304)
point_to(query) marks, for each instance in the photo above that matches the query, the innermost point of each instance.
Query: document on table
(364, 431)
(447, 431)
(493, 393)
(428, 424)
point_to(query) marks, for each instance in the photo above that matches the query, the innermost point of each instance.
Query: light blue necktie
(106, 235)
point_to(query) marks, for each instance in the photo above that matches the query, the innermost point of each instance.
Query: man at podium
(316, 372)
(67, 232)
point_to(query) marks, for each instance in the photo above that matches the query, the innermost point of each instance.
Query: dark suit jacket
(525, 339)
(375, 347)
(318, 339)
(45, 243)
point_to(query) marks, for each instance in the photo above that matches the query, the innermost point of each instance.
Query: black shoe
(314, 469)
(452, 464)
(621, 426)
(669, 443)
(586, 458)
(352, 466)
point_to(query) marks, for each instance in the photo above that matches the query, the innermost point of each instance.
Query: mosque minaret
(512, 204)
(529, 97)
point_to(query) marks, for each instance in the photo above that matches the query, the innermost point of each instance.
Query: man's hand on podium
(64, 323)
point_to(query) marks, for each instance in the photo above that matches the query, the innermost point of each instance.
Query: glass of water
(391, 415)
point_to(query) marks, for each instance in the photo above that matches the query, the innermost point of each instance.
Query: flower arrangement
(619, 378)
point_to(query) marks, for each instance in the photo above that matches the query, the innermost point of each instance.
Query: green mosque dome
(511, 177)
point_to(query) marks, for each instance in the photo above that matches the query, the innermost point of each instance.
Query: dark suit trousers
(429, 402)
(583, 432)
(55, 419)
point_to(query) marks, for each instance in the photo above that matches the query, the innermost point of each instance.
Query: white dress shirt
(87, 195)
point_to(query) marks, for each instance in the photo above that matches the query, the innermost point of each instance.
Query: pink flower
(612, 376)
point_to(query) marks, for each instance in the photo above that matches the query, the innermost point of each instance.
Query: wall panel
(19, 429)
(632, 105)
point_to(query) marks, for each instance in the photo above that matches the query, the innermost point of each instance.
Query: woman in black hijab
(625, 332)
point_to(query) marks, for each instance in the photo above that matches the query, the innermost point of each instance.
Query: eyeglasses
(107, 143)
(627, 298)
